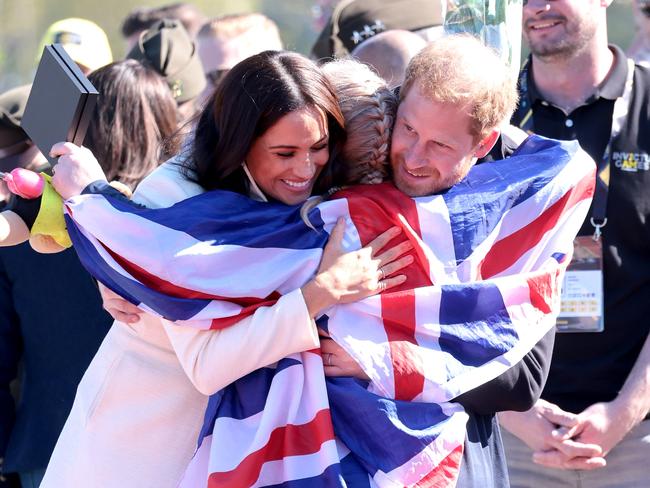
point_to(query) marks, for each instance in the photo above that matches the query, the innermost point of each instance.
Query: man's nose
(538, 6)
(416, 157)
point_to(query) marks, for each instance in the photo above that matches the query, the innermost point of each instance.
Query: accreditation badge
(582, 289)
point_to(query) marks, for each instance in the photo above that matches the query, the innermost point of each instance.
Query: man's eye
(408, 128)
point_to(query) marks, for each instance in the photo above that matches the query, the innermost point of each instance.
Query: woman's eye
(320, 147)
(408, 128)
(285, 154)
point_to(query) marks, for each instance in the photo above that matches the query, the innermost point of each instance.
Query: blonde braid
(377, 161)
(369, 108)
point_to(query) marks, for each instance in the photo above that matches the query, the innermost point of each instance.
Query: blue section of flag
(354, 474)
(222, 217)
(492, 189)
(247, 396)
(480, 324)
(375, 425)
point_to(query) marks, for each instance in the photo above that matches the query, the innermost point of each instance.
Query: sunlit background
(22, 23)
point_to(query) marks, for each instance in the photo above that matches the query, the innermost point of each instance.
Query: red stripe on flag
(398, 313)
(445, 475)
(543, 289)
(376, 208)
(223, 322)
(506, 252)
(373, 210)
(290, 440)
(156, 283)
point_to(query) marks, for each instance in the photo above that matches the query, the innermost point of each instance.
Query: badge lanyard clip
(597, 227)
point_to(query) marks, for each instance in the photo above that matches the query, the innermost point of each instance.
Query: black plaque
(60, 104)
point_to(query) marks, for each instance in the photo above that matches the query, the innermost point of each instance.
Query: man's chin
(422, 190)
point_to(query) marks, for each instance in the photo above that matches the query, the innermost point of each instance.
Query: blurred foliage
(22, 23)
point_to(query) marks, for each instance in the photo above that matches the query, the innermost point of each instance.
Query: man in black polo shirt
(575, 86)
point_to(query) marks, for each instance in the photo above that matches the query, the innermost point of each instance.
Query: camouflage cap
(12, 106)
(354, 21)
(168, 48)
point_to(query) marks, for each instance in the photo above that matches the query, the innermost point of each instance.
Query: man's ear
(487, 143)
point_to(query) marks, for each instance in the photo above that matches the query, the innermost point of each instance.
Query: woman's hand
(337, 362)
(347, 277)
(117, 307)
(76, 169)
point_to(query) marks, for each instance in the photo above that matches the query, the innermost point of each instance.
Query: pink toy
(24, 183)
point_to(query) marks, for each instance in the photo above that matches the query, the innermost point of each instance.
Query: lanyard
(523, 117)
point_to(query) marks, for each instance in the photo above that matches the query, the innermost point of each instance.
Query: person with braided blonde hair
(369, 107)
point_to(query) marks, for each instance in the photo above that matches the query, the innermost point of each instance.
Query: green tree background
(22, 23)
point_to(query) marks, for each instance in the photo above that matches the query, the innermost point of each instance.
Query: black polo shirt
(592, 367)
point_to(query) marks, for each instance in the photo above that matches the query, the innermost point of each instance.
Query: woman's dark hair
(250, 99)
(135, 116)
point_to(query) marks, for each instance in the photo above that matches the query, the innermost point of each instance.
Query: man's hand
(543, 428)
(604, 424)
(536, 426)
(338, 362)
(117, 307)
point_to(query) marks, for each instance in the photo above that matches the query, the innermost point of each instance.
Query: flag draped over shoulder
(483, 290)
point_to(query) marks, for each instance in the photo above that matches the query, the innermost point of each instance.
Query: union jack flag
(490, 253)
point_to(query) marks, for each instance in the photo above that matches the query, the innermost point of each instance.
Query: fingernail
(409, 259)
(396, 230)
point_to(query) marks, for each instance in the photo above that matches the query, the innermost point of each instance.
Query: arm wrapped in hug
(483, 290)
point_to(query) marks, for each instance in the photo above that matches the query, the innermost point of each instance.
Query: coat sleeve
(516, 389)
(212, 359)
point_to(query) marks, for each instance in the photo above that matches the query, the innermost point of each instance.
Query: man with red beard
(455, 98)
(575, 86)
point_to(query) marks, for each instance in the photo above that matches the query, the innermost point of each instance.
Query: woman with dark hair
(134, 115)
(271, 131)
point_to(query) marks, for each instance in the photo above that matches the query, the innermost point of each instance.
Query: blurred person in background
(169, 50)
(143, 18)
(51, 324)
(389, 53)
(16, 149)
(133, 126)
(591, 428)
(84, 41)
(225, 41)
(639, 50)
(355, 21)
(50, 309)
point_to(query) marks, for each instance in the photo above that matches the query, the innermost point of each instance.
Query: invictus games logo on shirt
(632, 162)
